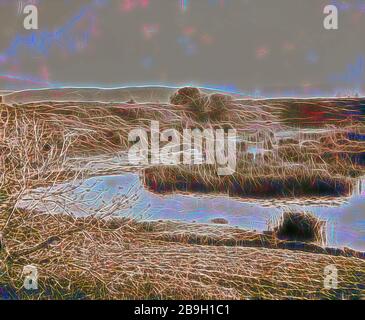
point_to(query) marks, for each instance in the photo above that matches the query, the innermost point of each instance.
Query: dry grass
(104, 128)
(120, 259)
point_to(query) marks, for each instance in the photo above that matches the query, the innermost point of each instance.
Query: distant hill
(3, 92)
(138, 94)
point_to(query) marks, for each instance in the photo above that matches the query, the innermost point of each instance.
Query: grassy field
(121, 259)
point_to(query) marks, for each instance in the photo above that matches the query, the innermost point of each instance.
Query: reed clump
(211, 107)
(300, 226)
(186, 96)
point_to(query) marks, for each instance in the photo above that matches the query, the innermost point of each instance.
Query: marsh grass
(310, 163)
(250, 181)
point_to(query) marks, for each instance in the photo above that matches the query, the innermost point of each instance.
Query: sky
(256, 47)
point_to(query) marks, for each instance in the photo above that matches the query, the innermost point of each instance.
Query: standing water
(124, 193)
